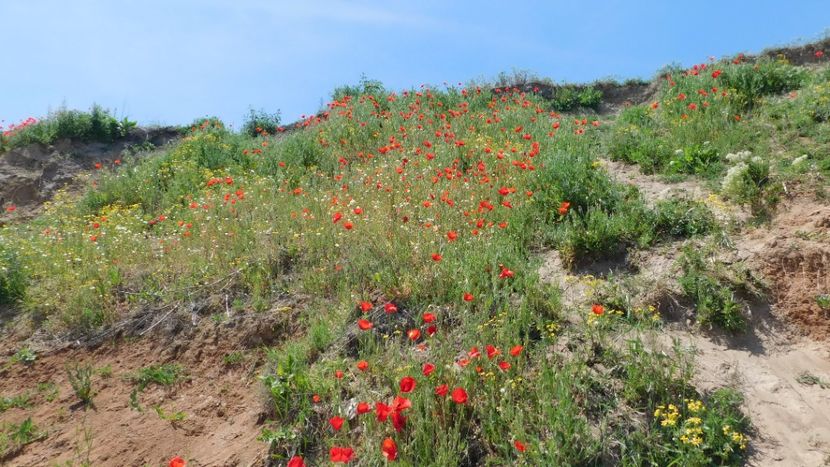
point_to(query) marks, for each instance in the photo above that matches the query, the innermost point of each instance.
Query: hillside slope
(454, 276)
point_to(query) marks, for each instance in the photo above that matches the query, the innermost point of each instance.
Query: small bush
(260, 122)
(766, 77)
(682, 218)
(365, 86)
(80, 378)
(12, 277)
(714, 301)
(570, 97)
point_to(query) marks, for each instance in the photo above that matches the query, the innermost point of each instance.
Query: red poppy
(98, 165)
(398, 421)
(362, 365)
(348, 225)
(459, 395)
(504, 365)
(364, 324)
(432, 329)
(519, 446)
(390, 308)
(716, 73)
(516, 350)
(597, 309)
(336, 217)
(414, 334)
(296, 461)
(336, 422)
(492, 351)
(429, 317)
(177, 462)
(441, 390)
(819, 53)
(400, 403)
(341, 455)
(338, 374)
(316, 398)
(358, 211)
(505, 273)
(407, 384)
(564, 207)
(474, 352)
(382, 411)
(452, 235)
(389, 449)
(365, 306)
(468, 297)
(11, 208)
(363, 408)
(436, 257)
(427, 369)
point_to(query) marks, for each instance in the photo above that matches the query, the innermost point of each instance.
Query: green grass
(96, 125)
(165, 375)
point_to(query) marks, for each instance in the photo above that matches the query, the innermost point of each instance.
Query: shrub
(766, 77)
(714, 300)
(366, 86)
(571, 97)
(260, 122)
(80, 378)
(682, 218)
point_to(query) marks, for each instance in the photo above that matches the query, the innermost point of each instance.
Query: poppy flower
(564, 207)
(819, 53)
(504, 365)
(358, 211)
(98, 165)
(296, 461)
(516, 350)
(389, 449)
(414, 334)
(492, 351)
(468, 297)
(429, 317)
(519, 446)
(452, 235)
(505, 273)
(11, 208)
(459, 395)
(362, 365)
(364, 324)
(382, 411)
(390, 308)
(365, 306)
(348, 225)
(316, 398)
(597, 309)
(427, 369)
(341, 455)
(398, 421)
(407, 384)
(336, 217)
(436, 257)
(363, 408)
(336, 422)
(338, 374)
(432, 329)
(441, 390)
(474, 352)
(177, 462)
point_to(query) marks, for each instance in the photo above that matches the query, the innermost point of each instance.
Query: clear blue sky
(170, 61)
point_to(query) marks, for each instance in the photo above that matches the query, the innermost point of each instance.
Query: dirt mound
(220, 399)
(30, 175)
(793, 254)
(801, 55)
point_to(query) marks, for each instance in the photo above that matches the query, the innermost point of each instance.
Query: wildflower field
(406, 229)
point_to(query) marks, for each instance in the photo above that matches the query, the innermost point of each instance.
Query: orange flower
(597, 309)
(564, 207)
(363, 365)
(427, 369)
(414, 334)
(364, 324)
(389, 449)
(436, 257)
(468, 297)
(519, 446)
(452, 235)
(363, 408)
(516, 350)
(177, 462)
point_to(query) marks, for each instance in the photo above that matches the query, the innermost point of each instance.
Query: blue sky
(170, 61)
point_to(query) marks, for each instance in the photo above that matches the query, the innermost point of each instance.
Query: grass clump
(713, 297)
(97, 124)
(80, 378)
(165, 375)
